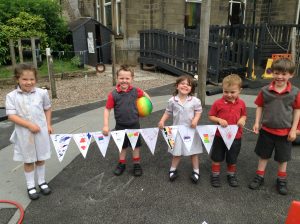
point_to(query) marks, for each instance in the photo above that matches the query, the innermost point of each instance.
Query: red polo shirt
(229, 111)
(110, 103)
(259, 101)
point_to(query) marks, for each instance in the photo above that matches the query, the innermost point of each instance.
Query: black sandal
(174, 175)
(32, 193)
(194, 178)
(45, 190)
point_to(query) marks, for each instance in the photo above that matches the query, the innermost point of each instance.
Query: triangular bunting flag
(61, 143)
(133, 135)
(207, 135)
(150, 136)
(83, 141)
(118, 137)
(228, 134)
(187, 135)
(102, 141)
(169, 133)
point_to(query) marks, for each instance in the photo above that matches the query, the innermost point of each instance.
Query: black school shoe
(119, 169)
(32, 193)
(173, 176)
(215, 180)
(256, 182)
(45, 190)
(137, 170)
(195, 177)
(281, 185)
(232, 180)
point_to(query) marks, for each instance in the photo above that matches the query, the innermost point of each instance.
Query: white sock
(172, 169)
(40, 170)
(29, 176)
(196, 171)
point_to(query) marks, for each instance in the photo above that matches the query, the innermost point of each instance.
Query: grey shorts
(267, 143)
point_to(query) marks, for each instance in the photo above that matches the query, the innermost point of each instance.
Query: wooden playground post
(33, 49)
(12, 52)
(50, 73)
(20, 50)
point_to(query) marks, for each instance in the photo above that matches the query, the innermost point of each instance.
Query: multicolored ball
(144, 106)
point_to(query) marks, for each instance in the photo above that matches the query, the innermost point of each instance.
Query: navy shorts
(267, 143)
(219, 151)
(126, 143)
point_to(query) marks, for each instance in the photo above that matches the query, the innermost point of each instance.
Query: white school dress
(29, 147)
(183, 113)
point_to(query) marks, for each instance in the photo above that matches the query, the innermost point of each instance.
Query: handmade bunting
(83, 141)
(118, 137)
(187, 135)
(207, 135)
(228, 134)
(150, 136)
(61, 143)
(169, 133)
(133, 135)
(102, 141)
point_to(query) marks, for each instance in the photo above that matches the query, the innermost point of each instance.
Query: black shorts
(219, 151)
(267, 143)
(126, 143)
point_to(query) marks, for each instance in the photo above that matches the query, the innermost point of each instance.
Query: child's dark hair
(20, 68)
(190, 81)
(126, 68)
(283, 65)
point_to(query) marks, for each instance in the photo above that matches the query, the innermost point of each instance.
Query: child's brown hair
(126, 68)
(190, 81)
(20, 68)
(283, 65)
(232, 79)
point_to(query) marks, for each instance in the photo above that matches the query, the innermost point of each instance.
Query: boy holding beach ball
(123, 99)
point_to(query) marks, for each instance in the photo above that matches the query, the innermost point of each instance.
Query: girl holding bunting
(186, 112)
(30, 109)
(229, 110)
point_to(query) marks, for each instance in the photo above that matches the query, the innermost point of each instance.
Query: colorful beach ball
(144, 106)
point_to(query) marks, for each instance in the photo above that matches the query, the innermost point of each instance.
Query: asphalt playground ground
(86, 190)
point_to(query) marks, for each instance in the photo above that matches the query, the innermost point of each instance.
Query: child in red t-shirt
(278, 110)
(228, 110)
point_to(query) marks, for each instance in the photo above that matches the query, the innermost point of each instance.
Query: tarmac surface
(86, 190)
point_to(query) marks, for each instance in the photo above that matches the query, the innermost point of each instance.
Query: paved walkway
(86, 191)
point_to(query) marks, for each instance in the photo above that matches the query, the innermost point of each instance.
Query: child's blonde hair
(190, 81)
(20, 68)
(126, 68)
(232, 79)
(283, 65)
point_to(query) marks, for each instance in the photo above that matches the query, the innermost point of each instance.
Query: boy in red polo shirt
(228, 110)
(277, 109)
(123, 101)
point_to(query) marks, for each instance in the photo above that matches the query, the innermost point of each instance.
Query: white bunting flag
(133, 135)
(102, 141)
(228, 134)
(118, 137)
(187, 135)
(83, 141)
(150, 136)
(169, 133)
(207, 135)
(61, 143)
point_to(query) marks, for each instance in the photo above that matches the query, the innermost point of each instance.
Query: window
(108, 15)
(236, 12)
(192, 14)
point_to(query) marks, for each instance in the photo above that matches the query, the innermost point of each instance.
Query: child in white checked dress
(186, 110)
(30, 109)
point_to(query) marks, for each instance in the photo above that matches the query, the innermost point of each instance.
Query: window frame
(118, 17)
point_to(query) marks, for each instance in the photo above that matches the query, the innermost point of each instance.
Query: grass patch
(59, 66)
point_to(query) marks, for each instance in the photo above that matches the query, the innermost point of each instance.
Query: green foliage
(19, 18)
